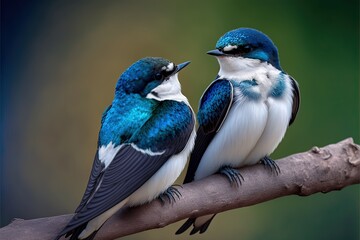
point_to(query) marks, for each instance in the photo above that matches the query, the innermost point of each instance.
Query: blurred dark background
(60, 61)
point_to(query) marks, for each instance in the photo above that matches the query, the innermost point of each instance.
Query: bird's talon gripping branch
(170, 194)
(233, 175)
(271, 164)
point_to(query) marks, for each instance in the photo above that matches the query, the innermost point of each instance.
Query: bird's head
(246, 43)
(147, 74)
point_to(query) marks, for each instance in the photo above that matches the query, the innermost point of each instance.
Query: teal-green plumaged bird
(145, 137)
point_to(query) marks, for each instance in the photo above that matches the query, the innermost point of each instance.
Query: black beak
(181, 66)
(216, 52)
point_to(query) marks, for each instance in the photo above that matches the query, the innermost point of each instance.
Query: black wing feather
(219, 97)
(202, 141)
(126, 173)
(296, 100)
(95, 173)
(129, 170)
(93, 181)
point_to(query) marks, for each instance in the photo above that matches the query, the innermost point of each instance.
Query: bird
(145, 138)
(243, 114)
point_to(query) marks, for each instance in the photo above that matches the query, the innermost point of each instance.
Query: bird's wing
(96, 171)
(94, 178)
(214, 107)
(296, 100)
(163, 135)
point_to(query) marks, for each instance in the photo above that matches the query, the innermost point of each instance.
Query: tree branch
(318, 170)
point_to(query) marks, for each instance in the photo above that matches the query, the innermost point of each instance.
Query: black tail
(201, 229)
(74, 234)
(185, 226)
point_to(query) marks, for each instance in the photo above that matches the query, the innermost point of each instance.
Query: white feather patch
(107, 153)
(239, 69)
(146, 151)
(169, 67)
(168, 90)
(229, 48)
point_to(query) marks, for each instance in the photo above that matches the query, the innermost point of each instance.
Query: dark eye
(246, 48)
(159, 76)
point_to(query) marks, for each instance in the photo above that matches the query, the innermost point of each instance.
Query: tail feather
(203, 227)
(74, 234)
(185, 226)
(206, 225)
(92, 236)
(192, 222)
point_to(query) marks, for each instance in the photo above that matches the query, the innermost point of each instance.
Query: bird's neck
(240, 69)
(129, 100)
(168, 90)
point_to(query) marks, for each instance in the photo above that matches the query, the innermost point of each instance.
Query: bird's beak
(216, 52)
(181, 66)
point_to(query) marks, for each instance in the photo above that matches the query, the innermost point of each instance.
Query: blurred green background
(60, 61)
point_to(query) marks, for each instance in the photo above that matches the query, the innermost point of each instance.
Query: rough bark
(318, 170)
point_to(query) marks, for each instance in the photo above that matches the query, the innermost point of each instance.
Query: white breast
(236, 139)
(278, 117)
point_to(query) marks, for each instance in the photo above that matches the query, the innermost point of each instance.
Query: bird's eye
(158, 76)
(246, 49)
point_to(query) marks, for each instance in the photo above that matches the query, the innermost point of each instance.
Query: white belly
(237, 137)
(279, 113)
(252, 130)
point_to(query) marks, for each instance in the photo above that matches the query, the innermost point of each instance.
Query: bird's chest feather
(253, 80)
(260, 88)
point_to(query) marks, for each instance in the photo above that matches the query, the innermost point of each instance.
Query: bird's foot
(170, 194)
(233, 175)
(270, 164)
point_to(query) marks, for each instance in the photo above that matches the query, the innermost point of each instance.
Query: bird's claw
(271, 164)
(170, 194)
(233, 175)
